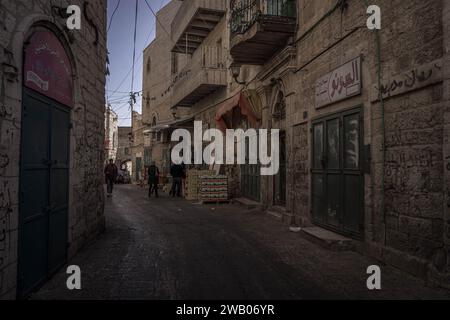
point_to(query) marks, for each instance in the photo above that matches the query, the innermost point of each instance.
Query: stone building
(364, 121)
(160, 69)
(52, 110)
(124, 147)
(111, 134)
(137, 148)
(362, 114)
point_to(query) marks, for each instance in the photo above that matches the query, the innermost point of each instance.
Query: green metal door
(337, 178)
(251, 182)
(43, 190)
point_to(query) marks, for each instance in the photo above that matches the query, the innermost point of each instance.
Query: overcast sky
(120, 47)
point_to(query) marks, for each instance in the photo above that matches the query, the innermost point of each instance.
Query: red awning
(239, 100)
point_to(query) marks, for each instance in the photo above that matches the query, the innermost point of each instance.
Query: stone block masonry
(87, 50)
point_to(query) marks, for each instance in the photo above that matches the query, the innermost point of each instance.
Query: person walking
(153, 180)
(111, 172)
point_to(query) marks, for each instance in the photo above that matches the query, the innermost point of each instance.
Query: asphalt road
(173, 249)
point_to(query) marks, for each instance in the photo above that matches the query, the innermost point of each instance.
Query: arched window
(154, 125)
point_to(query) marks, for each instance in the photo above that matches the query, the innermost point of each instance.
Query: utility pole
(132, 93)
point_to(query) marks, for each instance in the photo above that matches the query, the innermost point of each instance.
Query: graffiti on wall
(413, 169)
(413, 79)
(301, 168)
(5, 221)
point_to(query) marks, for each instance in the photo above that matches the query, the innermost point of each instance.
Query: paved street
(173, 249)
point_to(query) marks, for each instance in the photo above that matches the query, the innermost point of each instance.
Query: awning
(240, 101)
(169, 125)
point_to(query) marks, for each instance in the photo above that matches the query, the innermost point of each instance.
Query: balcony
(194, 22)
(260, 28)
(203, 75)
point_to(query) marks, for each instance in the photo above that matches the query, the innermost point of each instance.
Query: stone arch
(20, 35)
(278, 106)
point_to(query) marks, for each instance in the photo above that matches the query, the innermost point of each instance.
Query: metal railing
(208, 57)
(244, 13)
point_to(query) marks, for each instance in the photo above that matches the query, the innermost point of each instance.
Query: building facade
(137, 149)
(124, 148)
(362, 114)
(111, 134)
(52, 110)
(160, 66)
(363, 119)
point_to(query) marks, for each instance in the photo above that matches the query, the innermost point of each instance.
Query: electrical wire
(112, 16)
(134, 46)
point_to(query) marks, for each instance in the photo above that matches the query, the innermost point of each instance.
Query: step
(247, 203)
(329, 239)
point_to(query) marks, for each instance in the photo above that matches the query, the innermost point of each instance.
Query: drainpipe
(383, 124)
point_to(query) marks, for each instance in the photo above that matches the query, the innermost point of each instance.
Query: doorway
(337, 177)
(44, 182)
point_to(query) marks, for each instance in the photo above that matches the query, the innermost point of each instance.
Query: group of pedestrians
(177, 171)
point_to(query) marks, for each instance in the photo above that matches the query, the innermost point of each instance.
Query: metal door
(251, 181)
(337, 178)
(251, 176)
(43, 190)
(280, 178)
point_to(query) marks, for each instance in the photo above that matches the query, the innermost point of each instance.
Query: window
(154, 125)
(174, 63)
(127, 151)
(149, 65)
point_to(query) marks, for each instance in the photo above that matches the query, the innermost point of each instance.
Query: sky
(120, 47)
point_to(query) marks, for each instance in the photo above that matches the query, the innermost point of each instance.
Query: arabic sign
(47, 68)
(342, 83)
(414, 79)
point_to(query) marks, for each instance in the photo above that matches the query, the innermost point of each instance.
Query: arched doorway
(44, 169)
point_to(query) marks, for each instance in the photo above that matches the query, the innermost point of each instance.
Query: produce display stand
(213, 189)
(192, 186)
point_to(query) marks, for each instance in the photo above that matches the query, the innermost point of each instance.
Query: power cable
(112, 16)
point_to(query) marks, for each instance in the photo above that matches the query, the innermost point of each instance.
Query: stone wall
(87, 135)
(124, 144)
(157, 78)
(408, 227)
(409, 230)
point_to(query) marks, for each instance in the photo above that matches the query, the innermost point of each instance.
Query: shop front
(337, 157)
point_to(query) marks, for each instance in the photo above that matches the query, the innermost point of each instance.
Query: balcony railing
(244, 13)
(260, 28)
(203, 74)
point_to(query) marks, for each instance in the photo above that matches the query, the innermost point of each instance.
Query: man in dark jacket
(176, 171)
(111, 172)
(153, 180)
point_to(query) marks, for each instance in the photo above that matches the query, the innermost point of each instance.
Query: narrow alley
(174, 249)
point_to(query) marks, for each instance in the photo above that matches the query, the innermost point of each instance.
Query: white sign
(342, 83)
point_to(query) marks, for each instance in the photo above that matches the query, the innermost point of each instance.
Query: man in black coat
(153, 180)
(177, 173)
